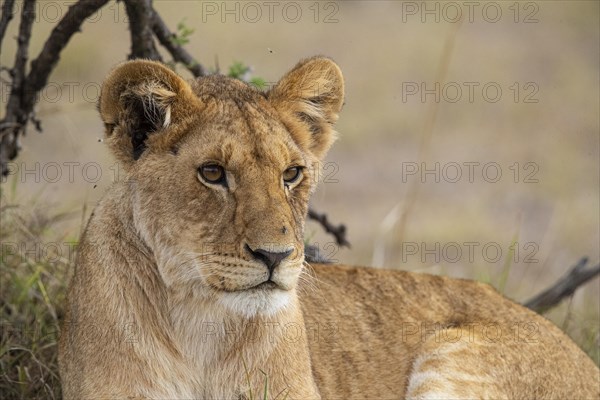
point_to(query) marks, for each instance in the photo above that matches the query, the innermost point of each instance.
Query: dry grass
(33, 277)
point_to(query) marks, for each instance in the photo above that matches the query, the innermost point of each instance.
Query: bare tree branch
(565, 287)
(179, 54)
(313, 254)
(141, 16)
(338, 232)
(24, 89)
(18, 71)
(7, 15)
(15, 117)
(45, 62)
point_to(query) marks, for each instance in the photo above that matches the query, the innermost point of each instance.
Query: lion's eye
(292, 174)
(212, 173)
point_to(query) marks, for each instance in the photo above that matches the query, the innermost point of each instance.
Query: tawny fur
(162, 303)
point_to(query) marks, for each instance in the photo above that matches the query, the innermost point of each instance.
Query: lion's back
(359, 319)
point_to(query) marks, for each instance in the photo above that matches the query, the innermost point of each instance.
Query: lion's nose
(269, 258)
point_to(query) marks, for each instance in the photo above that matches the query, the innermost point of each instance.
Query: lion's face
(221, 174)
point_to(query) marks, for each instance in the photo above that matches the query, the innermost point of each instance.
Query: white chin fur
(249, 304)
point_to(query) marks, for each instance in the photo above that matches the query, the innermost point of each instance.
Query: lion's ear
(139, 99)
(309, 99)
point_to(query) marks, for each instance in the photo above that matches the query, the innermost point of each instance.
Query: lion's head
(220, 173)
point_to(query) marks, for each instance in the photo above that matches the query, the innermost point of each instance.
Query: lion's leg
(447, 367)
(464, 363)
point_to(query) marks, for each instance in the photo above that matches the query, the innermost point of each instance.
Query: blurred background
(469, 141)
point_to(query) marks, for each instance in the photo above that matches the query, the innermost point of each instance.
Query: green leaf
(237, 70)
(260, 83)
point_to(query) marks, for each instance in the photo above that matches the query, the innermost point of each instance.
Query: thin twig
(338, 232)
(18, 72)
(179, 54)
(141, 16)
(7, 15)
(564, 287)
(16, 117)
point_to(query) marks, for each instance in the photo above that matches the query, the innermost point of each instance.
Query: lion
(191, 282)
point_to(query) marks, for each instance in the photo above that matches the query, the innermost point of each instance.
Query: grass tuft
(33, 273)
